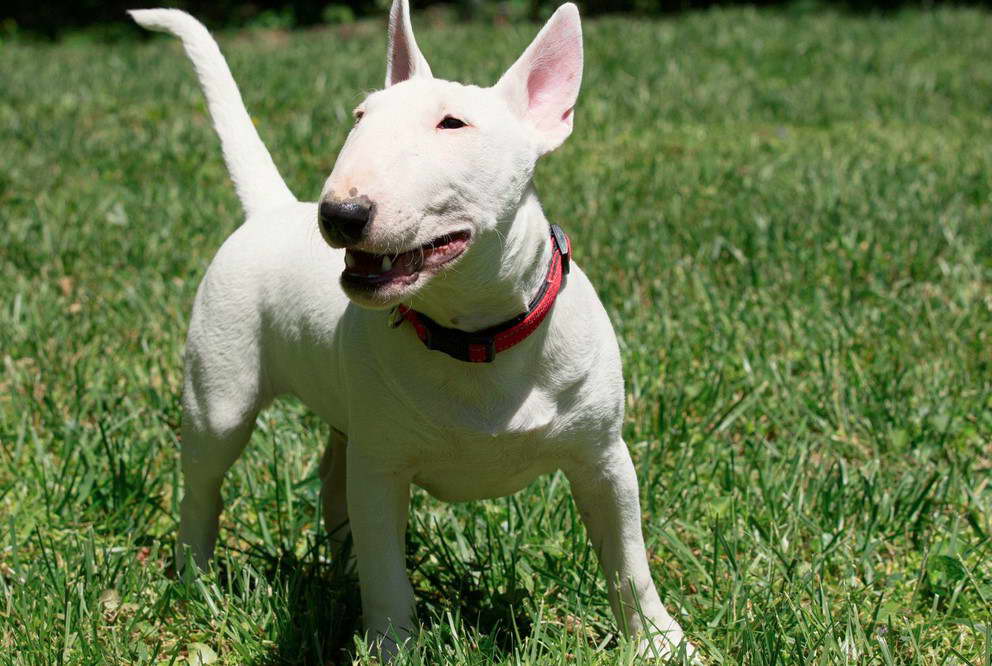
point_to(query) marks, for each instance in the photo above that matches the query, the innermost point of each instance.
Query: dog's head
(433, 168)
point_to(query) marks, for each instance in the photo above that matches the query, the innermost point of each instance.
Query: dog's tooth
(349, 260)
(387, 264)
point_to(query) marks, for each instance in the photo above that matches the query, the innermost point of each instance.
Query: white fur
(270, 319)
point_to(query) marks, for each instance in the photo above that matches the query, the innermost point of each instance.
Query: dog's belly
(471, 469)
(454, 485)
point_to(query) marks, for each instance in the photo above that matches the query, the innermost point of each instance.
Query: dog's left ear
(543, 84)
(404, 59)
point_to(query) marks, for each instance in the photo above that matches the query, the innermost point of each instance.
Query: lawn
(787, 216)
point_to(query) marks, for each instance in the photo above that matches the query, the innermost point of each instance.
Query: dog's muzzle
(346, 222)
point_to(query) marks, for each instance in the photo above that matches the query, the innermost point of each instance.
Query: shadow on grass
(498, 619)
(480, 594)
(324, 610)
(324, 614)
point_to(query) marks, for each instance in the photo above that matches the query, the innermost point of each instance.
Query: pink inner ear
(537, 87)
(404, 59)
(552, 88)
(554, 76)
(402, 63)
(550, 83)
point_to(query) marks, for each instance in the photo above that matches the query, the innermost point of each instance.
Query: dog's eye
(450, 122)
(358, 116)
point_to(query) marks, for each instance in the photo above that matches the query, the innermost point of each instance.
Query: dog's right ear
(404, 59)
(542, 85)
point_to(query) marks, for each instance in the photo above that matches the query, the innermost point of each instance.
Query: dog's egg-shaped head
(432, 168)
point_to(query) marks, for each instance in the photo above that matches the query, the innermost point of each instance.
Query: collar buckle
(561, 242)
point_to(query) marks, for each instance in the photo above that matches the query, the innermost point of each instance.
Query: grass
(788, 218)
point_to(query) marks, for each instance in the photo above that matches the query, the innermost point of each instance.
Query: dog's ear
(404, 59)
(543, 84)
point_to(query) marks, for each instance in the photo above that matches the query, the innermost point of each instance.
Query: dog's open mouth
(374, 271)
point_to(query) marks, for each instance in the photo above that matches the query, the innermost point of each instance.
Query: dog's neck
(497, 279)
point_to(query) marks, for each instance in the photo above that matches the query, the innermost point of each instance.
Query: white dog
(444, 345)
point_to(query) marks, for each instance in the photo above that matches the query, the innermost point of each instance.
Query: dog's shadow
(324, 611)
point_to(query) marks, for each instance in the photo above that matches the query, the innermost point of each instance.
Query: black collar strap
(482, 346)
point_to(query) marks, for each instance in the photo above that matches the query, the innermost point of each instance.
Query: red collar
(482, 346)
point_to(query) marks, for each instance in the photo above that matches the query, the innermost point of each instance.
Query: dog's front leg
(605, 490)
(333, 493)
(378, 504)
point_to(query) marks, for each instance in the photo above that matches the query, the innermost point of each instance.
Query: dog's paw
(669, 647)
(386, 646)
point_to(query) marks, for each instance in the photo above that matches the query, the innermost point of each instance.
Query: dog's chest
(466, 440)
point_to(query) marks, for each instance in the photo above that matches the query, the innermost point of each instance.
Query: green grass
(788, 219)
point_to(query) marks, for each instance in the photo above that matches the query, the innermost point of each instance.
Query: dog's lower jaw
(379, 299)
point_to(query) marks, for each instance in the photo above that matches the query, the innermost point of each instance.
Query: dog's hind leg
(209, 448)
(334, 492)
(605, 491)
(222, 396)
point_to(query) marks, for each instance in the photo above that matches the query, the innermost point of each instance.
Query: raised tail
(256, 178)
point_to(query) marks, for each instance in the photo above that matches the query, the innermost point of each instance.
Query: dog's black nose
(346, 221)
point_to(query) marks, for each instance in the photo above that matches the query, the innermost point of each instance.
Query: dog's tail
(255, 175)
